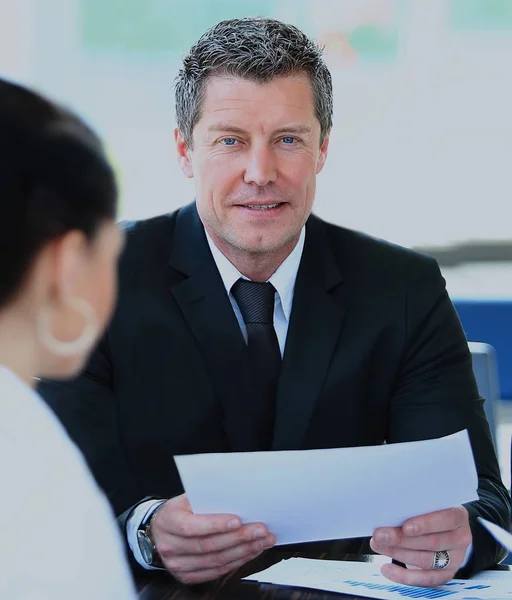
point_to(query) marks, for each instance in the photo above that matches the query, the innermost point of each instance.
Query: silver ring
(441, 559)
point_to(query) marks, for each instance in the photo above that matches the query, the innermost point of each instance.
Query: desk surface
(160, 586)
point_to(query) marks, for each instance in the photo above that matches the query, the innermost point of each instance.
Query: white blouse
(58, 535)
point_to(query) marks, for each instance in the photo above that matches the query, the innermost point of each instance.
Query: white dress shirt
(283, 281)
(59, 537)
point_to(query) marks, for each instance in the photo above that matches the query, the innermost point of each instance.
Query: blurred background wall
(421, 150)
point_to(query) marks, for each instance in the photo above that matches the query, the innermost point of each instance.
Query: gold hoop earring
(77, 346)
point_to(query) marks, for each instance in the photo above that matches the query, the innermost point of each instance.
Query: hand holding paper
(199, 548)
(416, 542)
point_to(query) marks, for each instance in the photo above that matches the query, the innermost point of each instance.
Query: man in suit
(246, 323)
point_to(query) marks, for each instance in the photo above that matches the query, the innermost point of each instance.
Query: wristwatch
(146, 545)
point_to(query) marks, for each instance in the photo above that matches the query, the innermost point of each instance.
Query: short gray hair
(258, 49)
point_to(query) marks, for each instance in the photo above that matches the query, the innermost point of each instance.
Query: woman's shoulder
(57, 522)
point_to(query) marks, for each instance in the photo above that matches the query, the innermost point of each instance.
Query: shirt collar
(283, 279)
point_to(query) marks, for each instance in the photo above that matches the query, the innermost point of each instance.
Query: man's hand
(416, 542)
(199, 548)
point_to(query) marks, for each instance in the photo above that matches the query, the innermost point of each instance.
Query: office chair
(485, 369)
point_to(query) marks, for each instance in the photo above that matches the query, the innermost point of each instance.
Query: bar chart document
(364, 579)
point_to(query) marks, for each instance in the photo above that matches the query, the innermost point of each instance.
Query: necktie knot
(255, 301)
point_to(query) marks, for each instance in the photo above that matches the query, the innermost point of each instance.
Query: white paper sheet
(365, 579)
(505, 576)
(339, 493)
(498, 533)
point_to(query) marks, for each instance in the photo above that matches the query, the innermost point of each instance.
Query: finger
(423, 559)
(442, 520)
(460, 537)
(416, 558)
(172, 544)
(184, 563)
(417, 577)
(387, 536)
(437, 522)
(194, 577)
(175, 518)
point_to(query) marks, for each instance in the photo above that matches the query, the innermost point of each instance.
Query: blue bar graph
(403, 590)
(477, 587)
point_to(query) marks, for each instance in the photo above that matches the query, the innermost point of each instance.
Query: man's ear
(183, 153)
(323, 154)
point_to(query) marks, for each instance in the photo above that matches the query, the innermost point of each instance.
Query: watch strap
(145, 526)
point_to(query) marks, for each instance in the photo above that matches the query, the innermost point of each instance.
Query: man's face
(256, 153)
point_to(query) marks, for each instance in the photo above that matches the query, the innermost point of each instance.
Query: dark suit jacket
(375, 353)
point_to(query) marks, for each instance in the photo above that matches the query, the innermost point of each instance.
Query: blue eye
(288, 139)
(228, 141)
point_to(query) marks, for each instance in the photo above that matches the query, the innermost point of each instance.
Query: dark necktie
(256, 303)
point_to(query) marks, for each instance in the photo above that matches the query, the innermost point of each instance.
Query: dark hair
(258, 49)
(54, 178)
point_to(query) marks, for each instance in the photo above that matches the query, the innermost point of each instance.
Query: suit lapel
(315, 325)
(202, 298)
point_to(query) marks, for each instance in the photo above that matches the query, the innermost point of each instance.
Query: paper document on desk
(311, 495)
(365, 579)
(498, 533)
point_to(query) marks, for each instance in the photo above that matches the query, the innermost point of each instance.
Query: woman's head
(58, 240)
